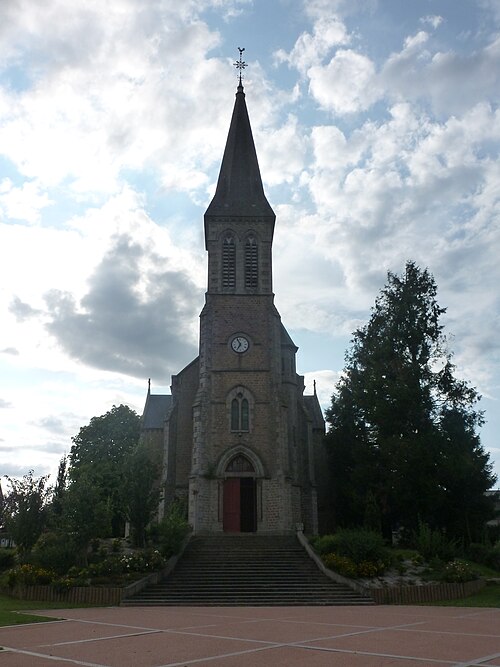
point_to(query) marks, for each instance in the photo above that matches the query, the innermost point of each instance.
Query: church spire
(239, 191)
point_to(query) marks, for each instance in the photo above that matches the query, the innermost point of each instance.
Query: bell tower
(251, 468)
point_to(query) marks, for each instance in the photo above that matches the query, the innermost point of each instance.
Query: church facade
(239, 438)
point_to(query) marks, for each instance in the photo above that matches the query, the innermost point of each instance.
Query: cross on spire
(240, 64)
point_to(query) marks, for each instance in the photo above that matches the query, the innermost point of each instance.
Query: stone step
(246, 571)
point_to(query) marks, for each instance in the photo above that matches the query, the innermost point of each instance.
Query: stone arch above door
(240, 450)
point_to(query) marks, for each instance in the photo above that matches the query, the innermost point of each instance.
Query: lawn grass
(11, 610)
(489, 596)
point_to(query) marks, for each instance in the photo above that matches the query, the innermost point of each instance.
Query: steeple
(239, 190)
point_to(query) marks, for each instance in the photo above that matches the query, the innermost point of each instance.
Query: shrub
(54, 551)
(458, 571)
(493, 558)
(173, 528)
(340, 564)
(478, 552)
(29, 575)
(433, 543)
(324, 544)
(359, 545)
(7, 558)
(370, 569)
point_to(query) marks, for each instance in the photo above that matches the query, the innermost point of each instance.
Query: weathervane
(240, 64)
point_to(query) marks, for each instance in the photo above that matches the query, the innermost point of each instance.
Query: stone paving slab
(375, 636)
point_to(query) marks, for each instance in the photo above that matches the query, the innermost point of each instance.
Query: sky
(377, 127)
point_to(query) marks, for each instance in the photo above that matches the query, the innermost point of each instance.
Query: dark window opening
(240, 420)
(228, 263)
(251, 263)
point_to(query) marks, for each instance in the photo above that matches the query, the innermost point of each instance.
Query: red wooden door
(231, 500)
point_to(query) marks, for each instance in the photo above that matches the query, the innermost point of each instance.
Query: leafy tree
(85, 514)
(99, 452)
(402, 427)
(141, 490)
(59, 488)
(25, 509)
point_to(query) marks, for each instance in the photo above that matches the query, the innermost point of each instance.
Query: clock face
(239, 344)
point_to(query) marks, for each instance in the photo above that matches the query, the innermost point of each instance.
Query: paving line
(55, 658)
(436, 661)
(477, 661)
(100, 639)
(184, 663)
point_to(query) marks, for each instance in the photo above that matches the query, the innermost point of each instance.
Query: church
(240, 441)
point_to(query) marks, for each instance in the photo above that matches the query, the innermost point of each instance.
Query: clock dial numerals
(239, 344)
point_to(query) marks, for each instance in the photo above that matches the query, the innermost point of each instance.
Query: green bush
(358, 545)
(54, 551)
(370, 569)
(479, 552)
(324, 544)
(7, 558)
(493, 558)
(173, 528)
(433, 543)
(29, 575)
(458, 571)
(341, 564)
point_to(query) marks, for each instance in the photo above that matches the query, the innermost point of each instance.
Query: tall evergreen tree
(402, 426)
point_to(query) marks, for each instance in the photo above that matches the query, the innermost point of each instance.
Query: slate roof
(239, 189)
(156, 410)
(314, 409)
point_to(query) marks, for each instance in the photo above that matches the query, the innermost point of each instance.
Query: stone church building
(239, 437)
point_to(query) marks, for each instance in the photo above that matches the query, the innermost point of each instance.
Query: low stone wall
(423, 594)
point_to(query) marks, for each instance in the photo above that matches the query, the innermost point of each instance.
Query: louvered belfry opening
(251, 263)
(228, 263)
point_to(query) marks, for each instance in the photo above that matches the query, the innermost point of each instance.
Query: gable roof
(156, 410)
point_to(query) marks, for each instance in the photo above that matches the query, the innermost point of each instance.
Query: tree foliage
(141, 490)
(99, 453)
(403, 428)
(25, 509)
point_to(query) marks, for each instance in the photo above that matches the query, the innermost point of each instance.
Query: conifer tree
(403, 428)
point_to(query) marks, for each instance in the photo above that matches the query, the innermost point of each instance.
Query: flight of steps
(246, 570)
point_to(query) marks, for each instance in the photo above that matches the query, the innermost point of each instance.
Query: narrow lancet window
(228, 262)
(240, 413)
(251, 263)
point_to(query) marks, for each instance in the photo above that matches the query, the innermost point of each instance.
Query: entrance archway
(239, 496)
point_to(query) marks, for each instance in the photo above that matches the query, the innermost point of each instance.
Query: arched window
(228, 262)
(239, 463)
(240, 409)
(251, 263)
(239, 413)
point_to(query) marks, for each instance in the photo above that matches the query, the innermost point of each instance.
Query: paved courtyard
(247, 636)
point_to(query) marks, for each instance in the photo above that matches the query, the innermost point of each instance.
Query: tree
(59, 488)
(99, 452)
(25, 509)
(85, 514)
(402, 427)
(141, 490)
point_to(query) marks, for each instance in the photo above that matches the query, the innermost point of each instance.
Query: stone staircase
(246, 570)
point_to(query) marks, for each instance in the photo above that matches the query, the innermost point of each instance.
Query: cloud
(22, 203)
(449, 81)
(22, 310)
(135, 318)
(4, 404)
(55, 424)
(347, 84)
(10, 350)
(310, 49)
(104, 96)
(432, 20)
